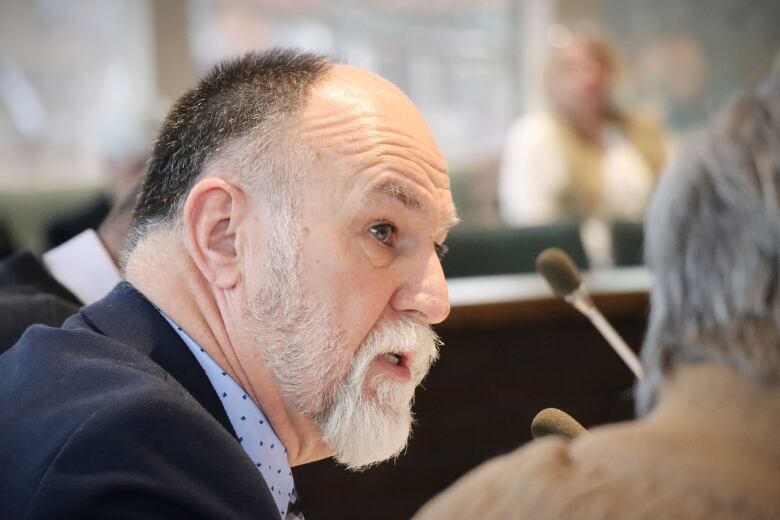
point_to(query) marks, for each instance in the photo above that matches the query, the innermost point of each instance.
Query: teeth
(393, 358)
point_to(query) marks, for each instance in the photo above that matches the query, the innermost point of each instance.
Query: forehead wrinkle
(403, 148)
(328, 127)
(370, 153)
(394, 130)
(394, 135)
(346, 129)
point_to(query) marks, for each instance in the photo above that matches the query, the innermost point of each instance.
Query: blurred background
(84, 83)
(556, 118)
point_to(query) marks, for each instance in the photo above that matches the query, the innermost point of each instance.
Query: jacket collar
(125, 315)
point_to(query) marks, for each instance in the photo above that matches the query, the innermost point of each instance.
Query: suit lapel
(127, 316)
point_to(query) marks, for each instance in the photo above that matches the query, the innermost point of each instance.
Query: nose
(423, 295)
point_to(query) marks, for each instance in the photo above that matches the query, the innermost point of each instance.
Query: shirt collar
(254, 432)
(83, 266)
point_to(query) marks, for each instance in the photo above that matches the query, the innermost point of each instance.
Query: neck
(167, 276)
(727, 402)
(589, 127)
(587, 123)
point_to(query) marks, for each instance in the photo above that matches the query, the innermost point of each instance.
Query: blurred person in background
(583, 158)
(77, 272)
(706, 444)
(124, 143)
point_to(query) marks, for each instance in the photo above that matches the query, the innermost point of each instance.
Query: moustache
(417, 343)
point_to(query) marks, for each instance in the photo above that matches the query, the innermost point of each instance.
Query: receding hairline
(212, 121)
(341, 104)
(347, 94)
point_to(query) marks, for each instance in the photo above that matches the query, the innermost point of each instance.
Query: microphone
(564, 279)
(552, 421)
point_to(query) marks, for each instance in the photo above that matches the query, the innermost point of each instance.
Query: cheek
(347, 282)
(361, 301)
(363, 297)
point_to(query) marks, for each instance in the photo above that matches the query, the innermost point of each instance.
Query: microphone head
(552, 421)
(559, 270)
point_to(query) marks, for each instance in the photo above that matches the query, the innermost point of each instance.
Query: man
(708, 448)
(80, 271)
(282, 275)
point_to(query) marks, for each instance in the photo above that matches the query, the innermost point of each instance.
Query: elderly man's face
(351, 288)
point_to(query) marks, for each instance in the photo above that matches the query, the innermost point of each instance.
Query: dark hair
(712, 239)
(251, 94)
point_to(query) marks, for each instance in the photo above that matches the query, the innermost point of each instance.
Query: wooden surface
(509, 351)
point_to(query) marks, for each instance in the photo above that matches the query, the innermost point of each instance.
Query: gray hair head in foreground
(712, 242)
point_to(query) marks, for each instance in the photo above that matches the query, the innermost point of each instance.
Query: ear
(213, 212)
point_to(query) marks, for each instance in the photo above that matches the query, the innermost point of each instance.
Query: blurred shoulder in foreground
(708, 450)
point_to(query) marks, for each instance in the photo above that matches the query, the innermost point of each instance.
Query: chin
(369, 417)
(367, 431)
(371, 453)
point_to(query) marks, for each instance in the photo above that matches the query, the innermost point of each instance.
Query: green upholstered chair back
(506, 251)
(26, 214)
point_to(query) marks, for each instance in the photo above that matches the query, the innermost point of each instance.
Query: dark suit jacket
(68, 225)
(29, 294)
(111, 416)
(6, 241)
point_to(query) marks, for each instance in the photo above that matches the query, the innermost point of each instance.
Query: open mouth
(396, 364)
(394, 358)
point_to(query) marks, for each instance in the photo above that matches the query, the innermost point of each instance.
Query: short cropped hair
(238, 113)
(712, 243)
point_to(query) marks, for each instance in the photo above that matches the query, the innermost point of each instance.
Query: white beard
(369, 419)
(363, 421)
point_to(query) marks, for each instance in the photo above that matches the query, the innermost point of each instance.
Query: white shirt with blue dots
(254, 432)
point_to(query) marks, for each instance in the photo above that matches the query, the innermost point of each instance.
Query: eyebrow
(452, 221)
(401, 193)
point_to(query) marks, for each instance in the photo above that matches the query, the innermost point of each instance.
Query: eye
(441, 250)
(384, 232)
